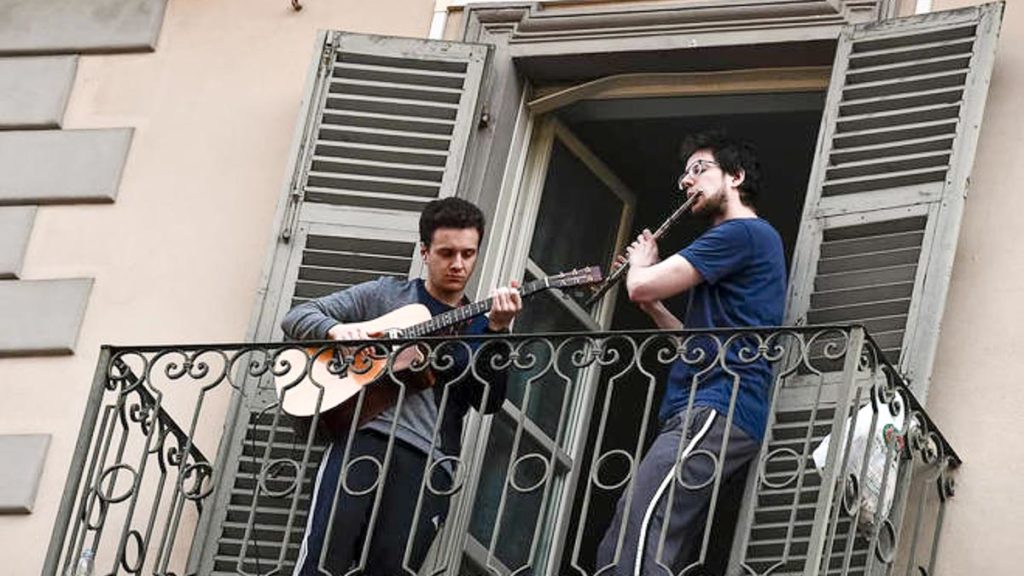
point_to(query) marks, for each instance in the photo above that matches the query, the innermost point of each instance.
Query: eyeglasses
(694, 170)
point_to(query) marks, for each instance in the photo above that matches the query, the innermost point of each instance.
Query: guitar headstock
(577, 277)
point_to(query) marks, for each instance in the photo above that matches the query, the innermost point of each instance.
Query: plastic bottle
(85, 565)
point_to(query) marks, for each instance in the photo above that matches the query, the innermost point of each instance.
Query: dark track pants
(345, 535)
(646, 519)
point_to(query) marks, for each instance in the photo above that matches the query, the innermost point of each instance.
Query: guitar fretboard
(463, 313)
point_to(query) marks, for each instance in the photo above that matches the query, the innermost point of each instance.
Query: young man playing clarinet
(735, 276)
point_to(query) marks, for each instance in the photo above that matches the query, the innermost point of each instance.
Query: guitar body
(304, 393)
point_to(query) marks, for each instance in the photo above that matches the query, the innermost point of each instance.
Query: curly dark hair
(733, 157)
(449, 212)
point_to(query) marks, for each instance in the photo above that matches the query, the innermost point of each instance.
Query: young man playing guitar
(342, 518)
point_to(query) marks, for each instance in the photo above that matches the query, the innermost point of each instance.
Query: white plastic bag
(872, 484)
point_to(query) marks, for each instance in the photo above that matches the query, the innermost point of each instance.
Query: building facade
(179, 173)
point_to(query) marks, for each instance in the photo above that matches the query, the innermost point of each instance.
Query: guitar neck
(463, 313)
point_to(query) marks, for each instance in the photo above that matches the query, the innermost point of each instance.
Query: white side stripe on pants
(661, 490)
(304, 550)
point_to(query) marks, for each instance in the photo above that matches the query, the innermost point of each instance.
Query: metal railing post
(836, 456)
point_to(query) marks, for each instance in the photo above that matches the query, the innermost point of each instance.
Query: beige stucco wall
(178, 257)
(977, 397)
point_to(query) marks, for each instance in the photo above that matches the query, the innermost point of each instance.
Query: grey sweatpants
(632, 541)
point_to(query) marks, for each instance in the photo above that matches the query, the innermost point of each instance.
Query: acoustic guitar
(330, 377)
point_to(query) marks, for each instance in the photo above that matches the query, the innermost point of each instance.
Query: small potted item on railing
(864, 492)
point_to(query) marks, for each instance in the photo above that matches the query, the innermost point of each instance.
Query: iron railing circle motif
(347, 468)
(948, 484)
(135, 567)
(92, 503)
(111, 472)
(521, 462)
(851, 495)
(680, 467)
(776, 454)
(602, 461)
(885, 543)
(457, 476)
(276, 467)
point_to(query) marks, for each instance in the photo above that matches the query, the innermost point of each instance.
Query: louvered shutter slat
(397, 90)
(860, 73)
(377, 73)
(887, 135)
(905, 85)
(414, 108)
(374, 57)
(854, 296)
(327, 262)
(963, 36)
(843, 186)
(361, 183)
(910, 55)
(891, 238)
(866, 262)
(397, 155)
(847, 154)
(360, 199)
(898, 118)
(375, 168)
(385, 137)
(878, 101)
(396, 122)
(889, 166)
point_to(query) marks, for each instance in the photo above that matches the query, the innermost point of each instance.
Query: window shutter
(385, 130)
(887, 189)
(879, 228)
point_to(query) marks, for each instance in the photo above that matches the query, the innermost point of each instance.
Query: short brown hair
(449, 212)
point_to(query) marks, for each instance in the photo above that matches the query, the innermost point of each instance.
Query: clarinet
(620, 272)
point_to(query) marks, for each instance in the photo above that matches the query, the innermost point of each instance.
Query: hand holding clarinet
(643, 251)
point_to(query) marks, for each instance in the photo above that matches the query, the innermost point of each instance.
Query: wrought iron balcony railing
(535, 484)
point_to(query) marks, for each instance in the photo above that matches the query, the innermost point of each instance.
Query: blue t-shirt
(744, 271)
(475, 325)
